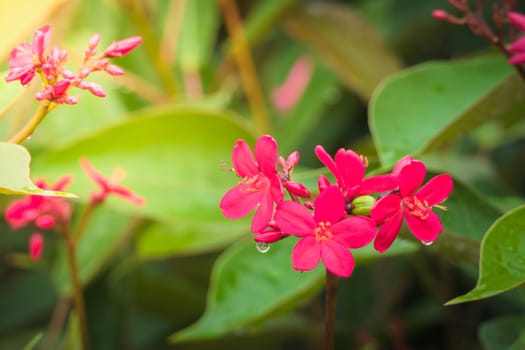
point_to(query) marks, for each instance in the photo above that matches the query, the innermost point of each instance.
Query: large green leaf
(14, 178)
(429, 104)
(248, 286)
(346, 42)
(172, 157)
(502, 261)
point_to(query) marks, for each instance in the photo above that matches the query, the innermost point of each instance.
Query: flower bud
(323, 183)
(36, 246)
(293, 159)
(297, 188)
(361, 205)
(122, 47)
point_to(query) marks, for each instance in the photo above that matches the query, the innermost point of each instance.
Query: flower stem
(330, 310)
(78, 297)
(29, 128)
(246, 65)
(83, 223)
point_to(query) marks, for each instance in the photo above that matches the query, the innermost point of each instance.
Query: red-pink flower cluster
(343, 216)
(54, 213)
(518, 46)
(27, 60)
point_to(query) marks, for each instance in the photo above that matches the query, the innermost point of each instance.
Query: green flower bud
(361, 205)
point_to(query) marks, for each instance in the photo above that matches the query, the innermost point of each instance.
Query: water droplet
(29, 137)
(262, 247)
(427, 243)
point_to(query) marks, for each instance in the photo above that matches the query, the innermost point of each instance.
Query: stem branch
(78, 297)
(330, 310)
(245, 65)
(28, 129)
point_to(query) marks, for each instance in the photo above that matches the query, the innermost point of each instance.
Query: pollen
(418, 208)
(322, 232)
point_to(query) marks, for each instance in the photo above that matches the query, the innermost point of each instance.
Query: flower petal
(401, 164)
(294, 219)
(518, 46)
(266, 154)
(436, 190)
(380, 183)
(264, 213)
(425, 230)
(329, 206)
(354, 232)
(517, 59)
(386, 207)
(337, 259)
(306, 254)
(238, 202)
(276, 188)
(328, 162)
(388, 232)
(411, 177)
(351, 168)
(242, 159)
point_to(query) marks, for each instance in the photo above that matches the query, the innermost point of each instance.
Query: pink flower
(109, 186)
(26, 57)
(286, 96)
(326, 235)
(43, 212)
(518, 47)
(349, 171)
(260, 185)
(415, 206)
(122, 47)
(36, 246)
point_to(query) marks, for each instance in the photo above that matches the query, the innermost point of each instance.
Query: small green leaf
(346, 42)
(33, 341)
(424, 106)
(502, 261)
(503, 333)
(248, 286)
(14, 178)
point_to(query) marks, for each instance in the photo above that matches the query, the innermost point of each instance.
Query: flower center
(257, 183)
(322, 232)
(418, 208)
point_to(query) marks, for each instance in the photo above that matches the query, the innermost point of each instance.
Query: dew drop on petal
(427, 243)
(262, 247)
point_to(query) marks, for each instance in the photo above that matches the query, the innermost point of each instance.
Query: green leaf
(503, 333)
(248, 286)
(346, 42)
(14, 178)
(33, 342)
(172, 157)
(429, 104)
(502, 261)
(162, 239)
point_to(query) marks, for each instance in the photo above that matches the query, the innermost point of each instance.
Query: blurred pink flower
(26, 57)
(414, 206)
(36, 246)
(42, 211)
(260, 186)
(517, 47)
(286, 96)
(109, 186)
(326, 235)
